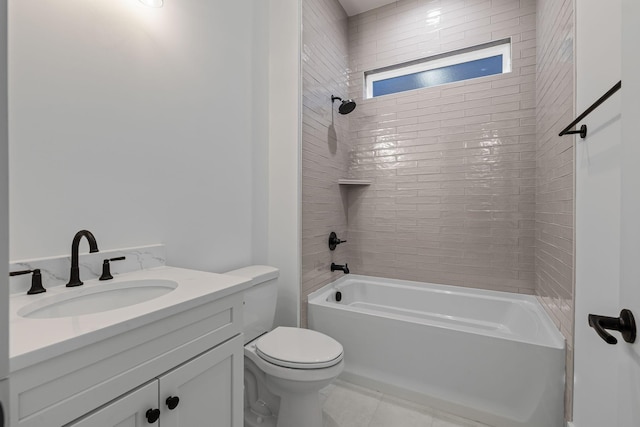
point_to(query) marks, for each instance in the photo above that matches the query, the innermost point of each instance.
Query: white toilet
(285, 368)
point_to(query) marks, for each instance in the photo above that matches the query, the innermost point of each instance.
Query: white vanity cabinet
(202, 392)
(195, 354)
(209, 389)
(128, 411)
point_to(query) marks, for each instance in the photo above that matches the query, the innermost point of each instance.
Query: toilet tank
(259, 300)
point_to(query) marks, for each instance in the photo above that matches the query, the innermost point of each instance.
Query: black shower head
(347, 106)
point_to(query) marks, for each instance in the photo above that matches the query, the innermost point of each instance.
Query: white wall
(4, 218)
(137, 124)
(598, 159)
(260, 159)
(284, 155)
(628, 364)
(4, 211)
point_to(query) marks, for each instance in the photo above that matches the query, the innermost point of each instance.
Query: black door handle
(625, 324)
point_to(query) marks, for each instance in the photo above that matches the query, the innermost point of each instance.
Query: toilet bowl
(296, 364)
(285, 368)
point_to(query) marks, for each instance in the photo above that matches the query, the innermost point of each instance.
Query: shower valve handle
(334, 241)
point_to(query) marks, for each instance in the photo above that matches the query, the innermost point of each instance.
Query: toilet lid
(299, 348)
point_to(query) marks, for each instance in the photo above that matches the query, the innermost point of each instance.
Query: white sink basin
(103, 297)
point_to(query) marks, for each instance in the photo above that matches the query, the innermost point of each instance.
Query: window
(478, 61)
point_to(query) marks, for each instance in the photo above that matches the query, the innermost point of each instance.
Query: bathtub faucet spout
(344, 268)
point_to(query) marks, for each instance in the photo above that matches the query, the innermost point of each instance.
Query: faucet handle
(106, 267)
(36, 280)
(334, 241)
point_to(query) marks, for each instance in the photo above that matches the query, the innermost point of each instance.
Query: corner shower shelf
(351, 181)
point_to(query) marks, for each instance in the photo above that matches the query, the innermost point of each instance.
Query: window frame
(483, 51)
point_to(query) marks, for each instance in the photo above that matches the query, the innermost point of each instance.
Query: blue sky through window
(437, 76)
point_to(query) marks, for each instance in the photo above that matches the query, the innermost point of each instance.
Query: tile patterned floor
(348, 405)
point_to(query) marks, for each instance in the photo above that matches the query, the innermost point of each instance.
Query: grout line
(375, 410)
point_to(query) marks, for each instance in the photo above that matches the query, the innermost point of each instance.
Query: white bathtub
(494, 357)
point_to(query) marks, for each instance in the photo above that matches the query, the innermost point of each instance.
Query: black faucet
(74, 277)
(344, 268)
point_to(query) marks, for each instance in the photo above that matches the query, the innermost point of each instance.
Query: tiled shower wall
(325, 146)
(453, 167)
(555, 180)
(470, 184)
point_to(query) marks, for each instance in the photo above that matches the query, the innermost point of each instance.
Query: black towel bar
(583, 128)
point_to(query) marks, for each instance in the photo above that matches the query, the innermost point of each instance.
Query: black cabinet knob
(172, 402)
(152, 415)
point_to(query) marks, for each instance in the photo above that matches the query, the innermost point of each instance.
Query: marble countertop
(35, 340)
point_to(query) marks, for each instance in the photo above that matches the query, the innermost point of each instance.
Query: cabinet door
(127, 411)
(209, 389)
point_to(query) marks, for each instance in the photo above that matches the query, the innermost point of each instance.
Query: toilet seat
(299, 348)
